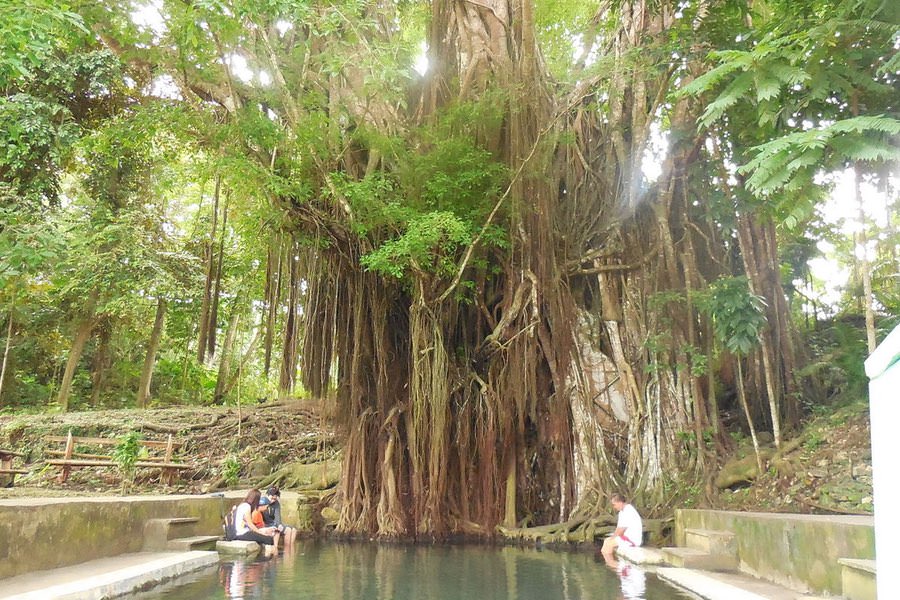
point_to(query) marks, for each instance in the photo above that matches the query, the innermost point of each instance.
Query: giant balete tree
(474, 263)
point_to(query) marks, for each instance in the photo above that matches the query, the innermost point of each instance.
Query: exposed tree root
(176, 429)
(745, 470)
(305, 476)
(582, 530)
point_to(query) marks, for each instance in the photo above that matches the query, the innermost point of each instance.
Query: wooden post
(70, 446)
(169, 448)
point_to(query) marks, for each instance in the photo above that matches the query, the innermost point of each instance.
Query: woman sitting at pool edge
(247, 531)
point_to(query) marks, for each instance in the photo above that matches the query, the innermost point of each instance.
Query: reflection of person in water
(632, 578)
(241, 580)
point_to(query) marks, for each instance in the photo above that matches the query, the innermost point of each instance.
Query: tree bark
(82, 335)
(743, 398)
(208, 246)
(225, 357)
(101, 361)
(152, 348)
(6, 346)
(862, 256)
(291, 326)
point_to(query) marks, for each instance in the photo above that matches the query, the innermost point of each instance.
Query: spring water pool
(368, 571)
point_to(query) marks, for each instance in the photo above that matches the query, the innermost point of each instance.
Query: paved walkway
(105, 577)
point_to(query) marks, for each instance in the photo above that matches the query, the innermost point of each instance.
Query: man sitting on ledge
(629, 528)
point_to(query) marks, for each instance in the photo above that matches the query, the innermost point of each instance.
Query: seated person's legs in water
(247, 530)
(272, 516)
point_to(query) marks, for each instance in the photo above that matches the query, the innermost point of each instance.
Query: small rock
(866, 500)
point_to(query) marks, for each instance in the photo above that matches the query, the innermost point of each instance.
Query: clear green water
(361, 571)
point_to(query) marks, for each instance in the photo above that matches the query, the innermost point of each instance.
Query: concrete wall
(45, 533)
(797, 551)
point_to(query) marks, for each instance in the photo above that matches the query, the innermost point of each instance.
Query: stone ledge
(859, 564)
(641, 555)
(237, 547)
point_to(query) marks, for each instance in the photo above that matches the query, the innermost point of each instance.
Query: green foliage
(839, 350)
(428, 245)
(231, 470)
(738, 316)
(788, 163)
(32, 32)
(126, 454)
(801, 84)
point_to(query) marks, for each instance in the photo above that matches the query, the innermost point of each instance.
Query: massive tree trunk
(152, 348)
(554, 365)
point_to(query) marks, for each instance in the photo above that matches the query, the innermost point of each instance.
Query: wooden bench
(6, 466)
(73, 460)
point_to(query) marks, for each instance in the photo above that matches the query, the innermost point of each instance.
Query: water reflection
(358, 571)
(632, 579)
(244, 580)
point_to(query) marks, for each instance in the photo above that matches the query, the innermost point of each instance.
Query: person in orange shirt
(257, 516)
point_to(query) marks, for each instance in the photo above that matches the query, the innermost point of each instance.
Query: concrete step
(195, 542)
(641, 555)
(711, 541)
(237, 547)
(857, 578)
(691, 558)
(157, 532)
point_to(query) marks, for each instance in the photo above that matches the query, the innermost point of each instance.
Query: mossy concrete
(46, 533)
(797, 551)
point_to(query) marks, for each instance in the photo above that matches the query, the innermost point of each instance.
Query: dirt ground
(258, 439)
(829, 472)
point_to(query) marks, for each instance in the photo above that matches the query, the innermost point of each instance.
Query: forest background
(528, 251)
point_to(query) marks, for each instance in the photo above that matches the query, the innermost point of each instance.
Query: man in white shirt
(629, 528)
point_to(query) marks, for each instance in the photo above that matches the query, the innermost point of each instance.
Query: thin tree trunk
(248, 354)
(862, 255)
(273, 299)
(100, 363)
(225, 361)
(214, 309)
(6, 346)
(152, 348)
(743, 397)
(210, 264)
(746, 240)
(82, 335)
(291, 327)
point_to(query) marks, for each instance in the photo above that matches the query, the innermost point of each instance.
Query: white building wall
(883, 370)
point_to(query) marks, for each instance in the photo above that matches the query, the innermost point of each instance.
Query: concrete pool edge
(109, 578)
(727, 586)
